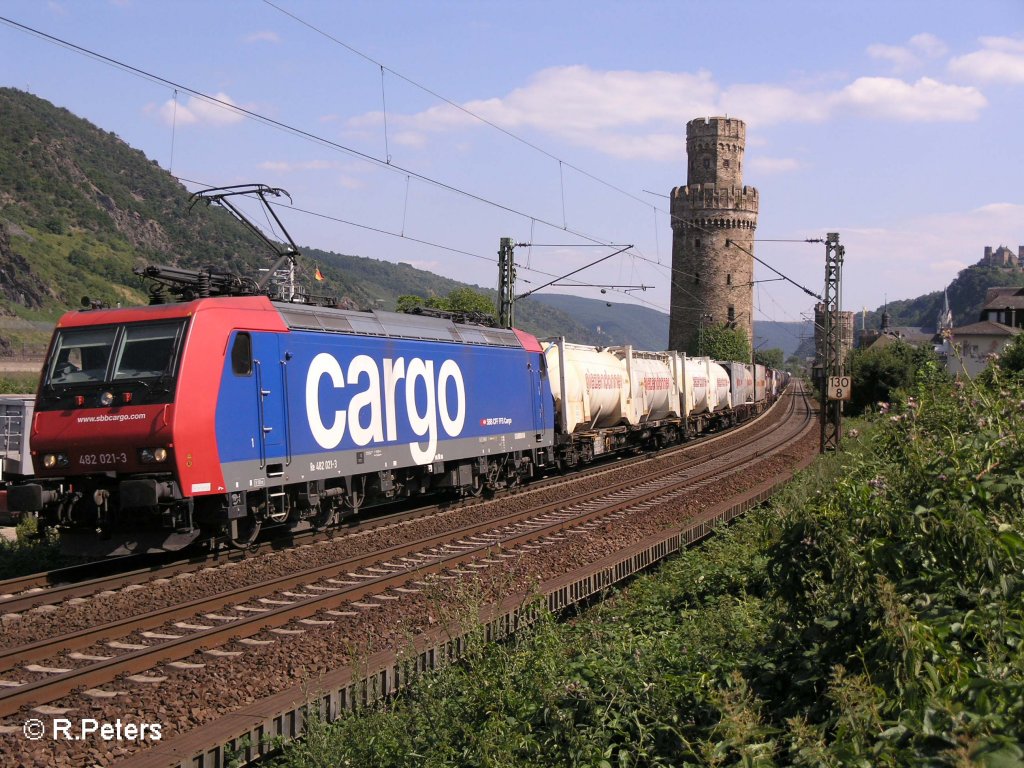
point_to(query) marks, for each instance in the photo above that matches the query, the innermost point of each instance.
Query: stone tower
(711, 277)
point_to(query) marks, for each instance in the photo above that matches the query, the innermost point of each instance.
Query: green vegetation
(882, 369)
(18, 383)
(79, 209)
(30, 552)
(873, 616)
(1011, 362)
(721, 342)
(770, 357)
(458, 300)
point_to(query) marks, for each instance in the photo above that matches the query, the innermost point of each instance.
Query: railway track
(323, 595)
(83, 580)
(393, 566)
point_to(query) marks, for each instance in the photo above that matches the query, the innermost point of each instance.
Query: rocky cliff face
(18, 285)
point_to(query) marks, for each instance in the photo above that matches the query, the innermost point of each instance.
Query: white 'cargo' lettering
(371, 413)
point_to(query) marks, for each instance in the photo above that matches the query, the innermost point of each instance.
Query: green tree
(795, 364)
(408, 302)
(771, 357)
(880, 370)
(1011, 359)
(468, 300)
(458, 300)
(721, 343)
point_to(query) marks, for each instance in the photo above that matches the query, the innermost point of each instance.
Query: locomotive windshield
(114, 353)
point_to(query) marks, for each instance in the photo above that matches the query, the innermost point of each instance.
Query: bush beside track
(30, 552)
(871, 615)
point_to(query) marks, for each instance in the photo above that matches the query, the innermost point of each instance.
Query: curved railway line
(91, 665)
(45, 588)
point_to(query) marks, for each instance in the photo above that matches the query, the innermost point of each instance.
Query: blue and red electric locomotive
(226, 412)
(157, 425)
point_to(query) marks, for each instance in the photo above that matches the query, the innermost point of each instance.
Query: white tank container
(696, 385)
(589, 386)
(742, 379)
(760, 384)
(720, 387)
(652, 389)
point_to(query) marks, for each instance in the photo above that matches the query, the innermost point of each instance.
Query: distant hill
(612, 323)
(79, 209)
(966, 298)
(785, 336)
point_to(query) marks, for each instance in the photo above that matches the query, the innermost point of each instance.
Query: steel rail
(24, 593)
(52, 688)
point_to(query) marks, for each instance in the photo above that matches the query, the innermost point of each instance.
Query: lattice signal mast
(506, 283)
(832, 363)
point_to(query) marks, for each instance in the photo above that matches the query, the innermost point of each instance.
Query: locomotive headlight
(153, 455)
(52, 460)
(106, 399)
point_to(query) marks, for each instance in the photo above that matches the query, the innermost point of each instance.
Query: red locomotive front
(122, 438)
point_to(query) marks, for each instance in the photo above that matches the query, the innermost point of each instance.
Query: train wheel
(325, 517)
(476, 488)
(244, 532)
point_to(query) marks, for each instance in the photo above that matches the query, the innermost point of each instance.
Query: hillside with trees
(80, 209)
(966, 298)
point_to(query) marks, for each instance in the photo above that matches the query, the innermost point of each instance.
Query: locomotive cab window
(115, 353)
(241, 355)
(81, 355)
(147, 351)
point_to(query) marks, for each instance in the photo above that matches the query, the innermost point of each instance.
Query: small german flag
(319, 275)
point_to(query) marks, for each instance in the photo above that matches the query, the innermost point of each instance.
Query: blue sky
(444, 126)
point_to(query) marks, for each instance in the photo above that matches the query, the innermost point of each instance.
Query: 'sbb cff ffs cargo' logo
(371, 415)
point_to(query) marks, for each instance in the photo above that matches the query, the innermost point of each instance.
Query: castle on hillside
(1003, 257)
(713, 221)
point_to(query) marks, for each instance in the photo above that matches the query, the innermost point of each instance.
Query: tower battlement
(717, 127)
(714, 196)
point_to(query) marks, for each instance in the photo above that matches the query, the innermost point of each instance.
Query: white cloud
(262, 37)
(768, 165)
(196, 111)
(637, 115)
(906, 57)
(611, 111)
(926, 100)
(929, 45)
(1000, 60)
(409, 138)
(947, 267)
(901, 58)
(761, 104)
(350, 182)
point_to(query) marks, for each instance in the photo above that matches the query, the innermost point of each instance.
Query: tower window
(728, 279)
(725, 163)
(707, 162)
(696, 242)
(732, 314)
(696, 278)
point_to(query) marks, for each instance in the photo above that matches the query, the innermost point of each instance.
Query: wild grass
(872, 615)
